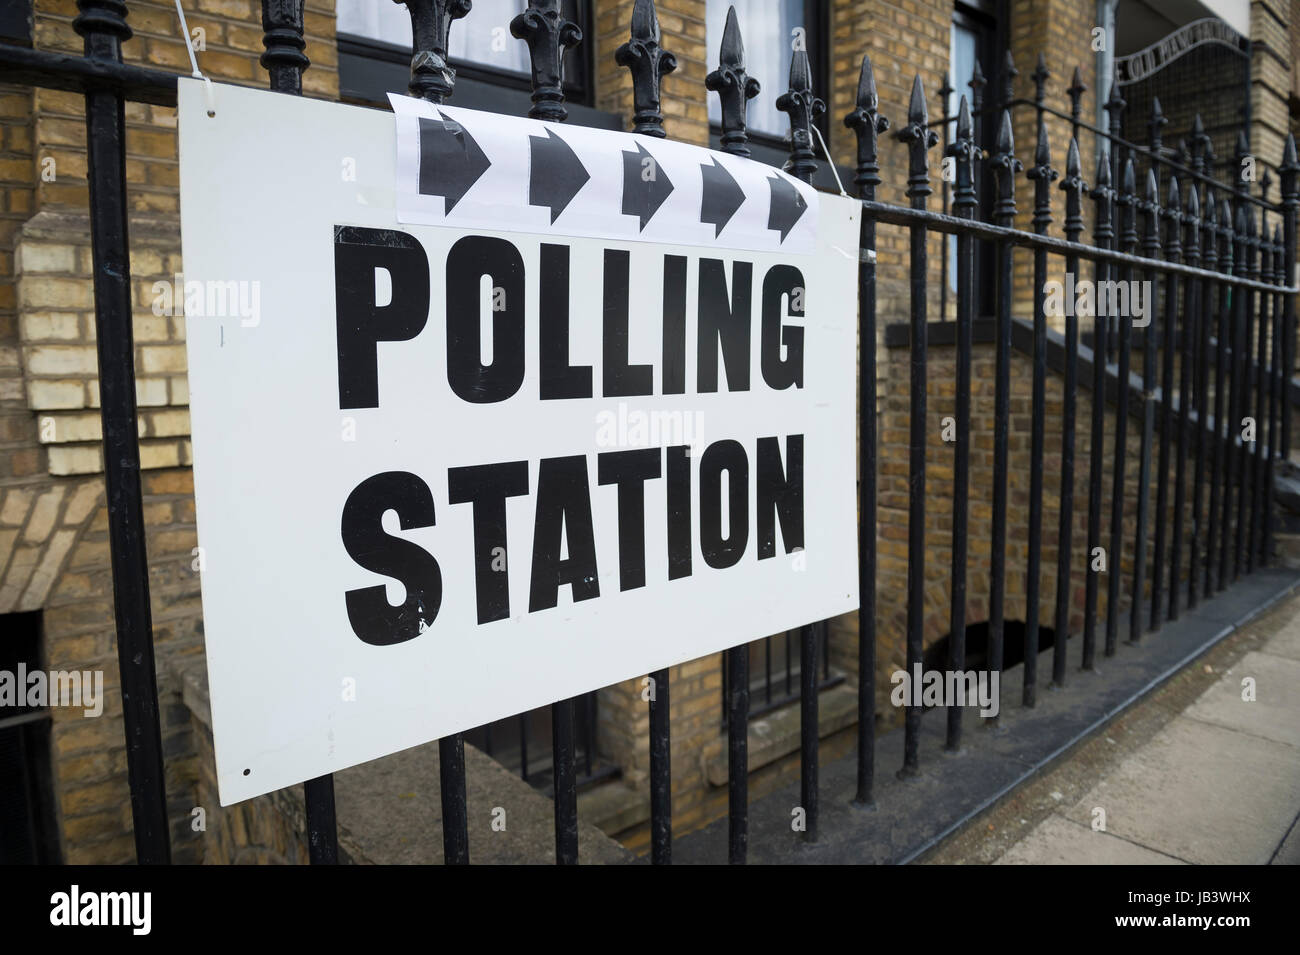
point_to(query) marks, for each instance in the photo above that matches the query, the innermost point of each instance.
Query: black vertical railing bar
(432, 79)
(1231, 348)
(1276, 382)
(1073, 186)
(1199, 154)
(1152, 342)
(1261, 373)
(1240, 315)
(1114, 107)
(1236, 369)
(523, 746)
(1128, 236)
(1042, 175)
(735, 88)
(918, 138)
(1219, 464)
(647, 60)
(977, 84)
(1257, 343)
(1290, 204)
(802, 108)
(102, 23)
(867, 125)
(1168, 337)
(945, 94)
(284, 61)
(965, 205)
(548, 33)
(1190, 320)
(1208, 226)
(1004, 165)
(661, 783)
(322, 828)
(1103, 232)
(1244, 456)
(1150, 210)
(1163, 345)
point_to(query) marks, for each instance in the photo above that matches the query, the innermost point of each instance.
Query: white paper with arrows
(470, 169)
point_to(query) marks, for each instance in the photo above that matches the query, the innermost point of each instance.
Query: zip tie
(825, 152)
(209, 95)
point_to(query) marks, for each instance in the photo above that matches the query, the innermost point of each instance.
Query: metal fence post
(103, 25)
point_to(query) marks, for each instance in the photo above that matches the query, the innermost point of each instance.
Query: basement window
(28, 830)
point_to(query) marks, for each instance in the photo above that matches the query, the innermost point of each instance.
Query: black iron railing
(1225, 281)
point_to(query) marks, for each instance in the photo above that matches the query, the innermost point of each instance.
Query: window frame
(370, 68)
(774, 149)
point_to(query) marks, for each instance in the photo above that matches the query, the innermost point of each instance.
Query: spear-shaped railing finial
(1290, 170)
(867, 123)
(1005, 165)
(647, 60)
(799, 103)
(735, 87)
(1074, 187)
(1155, 124)
(548, 34)
(1192, 222)
(1241, 154)
(1148, 208)
(1198, 144)
(964, 152)
(1173, 212)
(920, 138)
(1042, 174)
(1040, 76)
(1076, 90)
(1127, 201)
(1009, 74)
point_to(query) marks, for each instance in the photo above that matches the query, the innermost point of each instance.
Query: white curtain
(481, 37)
(767, 28)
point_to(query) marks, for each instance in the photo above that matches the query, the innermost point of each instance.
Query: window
(974, 37)
(16, 22)
(492, 67)
(768, 28)
(774, 667)
(28, 832)
(483, 37)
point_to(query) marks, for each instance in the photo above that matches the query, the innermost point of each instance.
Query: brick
(155, 359)
(55, 395)
(45, 292)
(45, 325)
(61, 360)
(43, 257)
(44, 514)
(76, 459)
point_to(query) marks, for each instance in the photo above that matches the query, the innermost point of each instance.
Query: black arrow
(555, 174)
(645, 186)
(720, 198)
(450, 160)
(787, 206)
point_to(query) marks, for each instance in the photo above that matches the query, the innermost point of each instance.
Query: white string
(825, 152)
(197, 73)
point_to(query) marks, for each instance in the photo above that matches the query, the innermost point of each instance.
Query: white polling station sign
(455, 469)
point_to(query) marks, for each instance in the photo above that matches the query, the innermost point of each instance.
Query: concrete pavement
(1206, 772)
